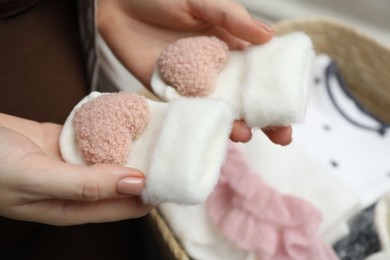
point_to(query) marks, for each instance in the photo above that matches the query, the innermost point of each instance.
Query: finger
(279, 135)
(233, 17)
(59, 180)
(232, 41)
(63, 213)
(241, 132)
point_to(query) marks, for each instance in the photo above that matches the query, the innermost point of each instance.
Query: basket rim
(333, 22)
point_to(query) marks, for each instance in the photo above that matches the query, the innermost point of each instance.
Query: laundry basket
(363, 62)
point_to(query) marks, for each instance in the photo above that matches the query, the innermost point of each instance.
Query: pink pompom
(106, 125)
(191, 65)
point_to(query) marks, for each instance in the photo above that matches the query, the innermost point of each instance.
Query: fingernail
(130, 185)
(264, 25)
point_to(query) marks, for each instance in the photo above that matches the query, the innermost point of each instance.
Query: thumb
(59, 180)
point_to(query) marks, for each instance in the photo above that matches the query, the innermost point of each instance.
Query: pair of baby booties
(181, 145)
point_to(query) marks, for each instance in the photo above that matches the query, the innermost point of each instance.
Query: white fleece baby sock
(179, 146)
(267, 85)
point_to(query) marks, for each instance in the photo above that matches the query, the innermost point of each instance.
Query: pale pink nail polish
(264, 25)
(130, 185)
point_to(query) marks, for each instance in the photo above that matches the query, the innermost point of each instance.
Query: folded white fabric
(382, 225)
(382, 216)
(288, 169)
(179, 146)
(291, 170)
(383, 255)
(199, 237)
(267, 85)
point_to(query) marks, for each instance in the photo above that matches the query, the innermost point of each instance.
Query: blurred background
(370, 16)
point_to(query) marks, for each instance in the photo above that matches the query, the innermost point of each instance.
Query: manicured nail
(131, 185)
(264, 25)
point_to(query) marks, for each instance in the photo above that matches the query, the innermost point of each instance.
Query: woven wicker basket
(363, 62)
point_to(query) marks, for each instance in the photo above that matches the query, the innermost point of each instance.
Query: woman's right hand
(37, 185)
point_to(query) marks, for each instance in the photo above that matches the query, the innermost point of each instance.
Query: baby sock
(265, 84)
(179, 146)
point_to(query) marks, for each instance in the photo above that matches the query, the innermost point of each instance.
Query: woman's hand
(138, 30)
(37, 185)
(279, 135)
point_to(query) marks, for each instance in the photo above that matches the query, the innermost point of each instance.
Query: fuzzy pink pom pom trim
(106, 126)
(191, 65)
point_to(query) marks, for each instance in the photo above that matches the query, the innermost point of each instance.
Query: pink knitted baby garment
(257, 218)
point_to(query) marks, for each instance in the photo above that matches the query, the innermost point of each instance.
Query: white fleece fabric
(180, 151)
(265, 84)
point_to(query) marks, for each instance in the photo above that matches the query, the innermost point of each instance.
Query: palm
(24, 158)
(24, 138)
